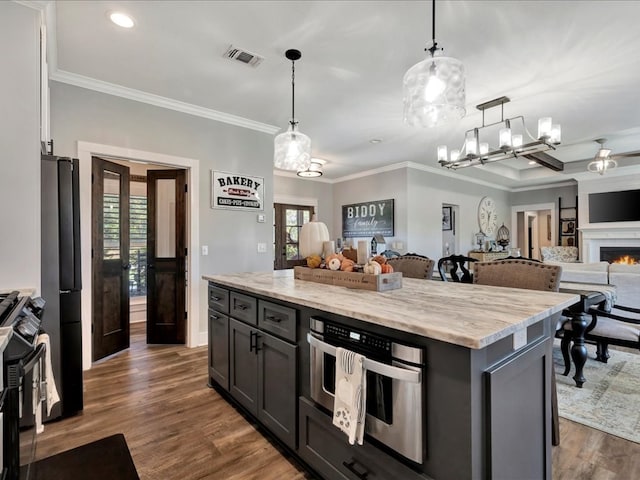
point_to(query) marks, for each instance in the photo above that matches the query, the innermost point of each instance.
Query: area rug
(104, 459)
(609, 399)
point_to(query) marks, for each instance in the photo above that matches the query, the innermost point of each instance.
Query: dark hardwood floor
(178, 428)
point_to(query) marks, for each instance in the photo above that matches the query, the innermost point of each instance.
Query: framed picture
(568, 241)
(548, 227)
(368, 219)
(447, 219)
(568, 227)
(566, 213)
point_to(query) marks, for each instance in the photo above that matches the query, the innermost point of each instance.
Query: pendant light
(434, 91)
(292, 149)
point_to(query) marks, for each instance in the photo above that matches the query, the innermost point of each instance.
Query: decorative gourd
(312, 237)
(347, 265)
(386, 268)
(333, 264)
(314, 261)
(373, 268)
(380, 259)
(332, 256)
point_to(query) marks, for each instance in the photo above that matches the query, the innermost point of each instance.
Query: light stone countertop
(473, 316)
(21, 291)
(5, 335)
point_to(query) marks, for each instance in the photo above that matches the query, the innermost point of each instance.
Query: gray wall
(533, 197)
(232, 236)
(419, 196)
(20, 141)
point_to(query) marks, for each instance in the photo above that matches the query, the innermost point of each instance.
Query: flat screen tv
(621, 206)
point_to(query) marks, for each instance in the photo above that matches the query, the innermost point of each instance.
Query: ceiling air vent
(243, 56)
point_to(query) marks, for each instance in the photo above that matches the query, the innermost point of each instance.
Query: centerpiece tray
(362, 281)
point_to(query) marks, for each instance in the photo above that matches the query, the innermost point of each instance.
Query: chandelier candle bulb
(484, 148)
(471, 144)
(505, 138)
(442, 153)
(544, 127)
(455, 154)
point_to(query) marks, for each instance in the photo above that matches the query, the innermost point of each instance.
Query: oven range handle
(396, 373)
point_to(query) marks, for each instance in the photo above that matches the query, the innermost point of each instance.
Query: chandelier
(292, 149)
(476, 149)
(602, 161)
(313, 170)
(433, 89)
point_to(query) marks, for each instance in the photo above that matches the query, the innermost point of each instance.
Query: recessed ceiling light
(121, 19)
(375, 140)
(532, 162)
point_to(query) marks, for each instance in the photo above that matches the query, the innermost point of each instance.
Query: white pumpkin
(372, 267)
(312, 238)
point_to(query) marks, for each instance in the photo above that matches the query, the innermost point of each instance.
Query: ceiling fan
(604, 161)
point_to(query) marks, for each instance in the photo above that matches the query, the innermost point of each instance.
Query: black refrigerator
(61, 279)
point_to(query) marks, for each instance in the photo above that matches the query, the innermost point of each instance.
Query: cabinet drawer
(219, 299)
(243, 307)
(277, 319)
(327, 450)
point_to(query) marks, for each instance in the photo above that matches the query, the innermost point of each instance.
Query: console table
(488, 256)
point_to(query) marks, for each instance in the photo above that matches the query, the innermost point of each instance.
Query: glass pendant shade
(434, 92)
(292, 150)
(556, 134)
(484, 148)
(602, 165)
(516, 141)
(314, 170)
(442, 152)
(455, 154)
(505, 137)
(544, 127)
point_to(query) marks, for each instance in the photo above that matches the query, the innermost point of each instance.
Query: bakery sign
(367, 219)
(237, 192)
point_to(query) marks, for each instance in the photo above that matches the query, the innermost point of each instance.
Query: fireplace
(626, 255)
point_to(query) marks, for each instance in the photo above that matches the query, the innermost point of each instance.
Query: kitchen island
(485, 408)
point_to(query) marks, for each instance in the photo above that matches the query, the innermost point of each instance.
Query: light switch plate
(205, 249)
(262, 248)
(261, 218)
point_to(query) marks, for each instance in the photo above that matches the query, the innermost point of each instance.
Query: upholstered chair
(413, 266)
(457, 267)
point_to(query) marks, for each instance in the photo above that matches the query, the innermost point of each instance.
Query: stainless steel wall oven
(395, 372)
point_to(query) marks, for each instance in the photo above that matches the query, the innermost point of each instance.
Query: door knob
(126, 266)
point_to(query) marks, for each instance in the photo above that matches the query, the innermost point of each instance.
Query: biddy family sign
(367, 219)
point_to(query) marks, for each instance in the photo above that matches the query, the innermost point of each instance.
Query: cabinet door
(243, 365)
(277, 394)
(219, 348)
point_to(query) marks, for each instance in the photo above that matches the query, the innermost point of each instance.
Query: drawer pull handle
(252, 345)
(241, 306)
(351, 467)
(215, 299)
(214, 317)
(273, 318)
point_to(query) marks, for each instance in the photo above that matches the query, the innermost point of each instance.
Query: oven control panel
(364, 339)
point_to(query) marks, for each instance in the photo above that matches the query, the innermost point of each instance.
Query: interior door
(166, 256)
(288, 221)
(110, 257)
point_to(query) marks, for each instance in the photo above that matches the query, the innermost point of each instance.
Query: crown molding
(158, 101)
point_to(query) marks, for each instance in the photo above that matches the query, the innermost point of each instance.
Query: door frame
(528, 208)
(85, 151)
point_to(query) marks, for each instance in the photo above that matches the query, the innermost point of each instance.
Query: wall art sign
(368, 219)
(236, 191)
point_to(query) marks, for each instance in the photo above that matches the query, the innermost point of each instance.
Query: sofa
(626, 278)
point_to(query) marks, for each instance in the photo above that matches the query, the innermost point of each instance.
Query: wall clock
(487, 216)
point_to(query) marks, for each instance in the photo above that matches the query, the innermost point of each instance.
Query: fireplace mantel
(599, 235)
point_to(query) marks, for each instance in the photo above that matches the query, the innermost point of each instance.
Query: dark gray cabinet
(219, 348)
(263, 378)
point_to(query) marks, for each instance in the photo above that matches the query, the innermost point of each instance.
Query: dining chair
(531, 275)
(619, 326)
(413, 266)
(454, 266)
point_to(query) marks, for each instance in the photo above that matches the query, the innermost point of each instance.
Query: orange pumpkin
(347, 265)
(380, 259)
(386, 268)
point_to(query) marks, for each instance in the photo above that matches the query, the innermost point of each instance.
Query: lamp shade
(434, 92)
(313, 234)
(292, 150)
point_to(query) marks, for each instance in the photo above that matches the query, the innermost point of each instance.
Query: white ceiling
(575, 61)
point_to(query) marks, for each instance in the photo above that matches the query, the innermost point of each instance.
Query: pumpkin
(386, 268)
(332, 256)
(373, 268)
(312, 237)
(314, 261)
(333, 264)
(347, 265)
(380, 259)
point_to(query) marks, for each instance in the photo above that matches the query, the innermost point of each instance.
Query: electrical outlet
(262, 248)
(261, 218)
(205, 249)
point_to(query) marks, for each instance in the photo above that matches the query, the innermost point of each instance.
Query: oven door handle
(396, 373)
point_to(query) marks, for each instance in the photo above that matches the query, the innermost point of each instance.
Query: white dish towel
(51, 392)
(349, 408)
